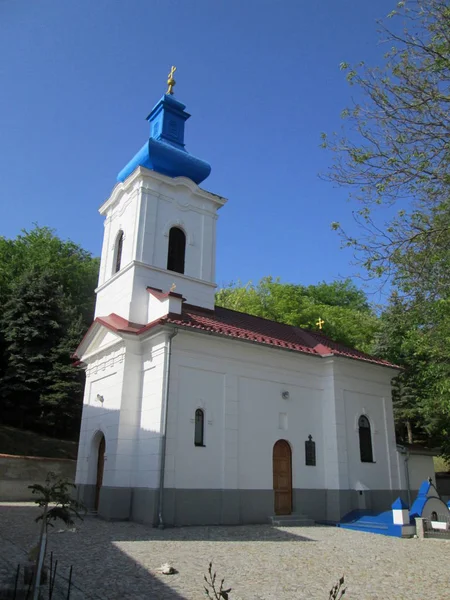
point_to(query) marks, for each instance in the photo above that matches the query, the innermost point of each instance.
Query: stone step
(363, 525)
(292, 520)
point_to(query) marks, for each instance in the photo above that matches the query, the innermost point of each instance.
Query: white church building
(195, 414)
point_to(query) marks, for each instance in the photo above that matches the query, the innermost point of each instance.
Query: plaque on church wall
(282, 421)
(310, 452)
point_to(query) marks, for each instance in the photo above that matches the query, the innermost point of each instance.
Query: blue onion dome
(164, 151)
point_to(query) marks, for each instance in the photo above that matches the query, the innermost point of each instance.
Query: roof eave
(367, 361)
(274, 347)
(238, 339)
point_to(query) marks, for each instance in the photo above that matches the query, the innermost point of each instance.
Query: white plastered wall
(364, 389)
(120, 215)
(420, 467)
(104, 377)
(149, 431)
(145, 207)
(129, 375)
(239, 386)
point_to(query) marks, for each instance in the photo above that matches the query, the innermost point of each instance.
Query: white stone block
(400, 517)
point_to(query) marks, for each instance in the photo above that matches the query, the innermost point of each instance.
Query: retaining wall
(18, 472)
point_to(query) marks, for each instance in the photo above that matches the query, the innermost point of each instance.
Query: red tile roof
(242, 326)
(118, 324)
(224, 321)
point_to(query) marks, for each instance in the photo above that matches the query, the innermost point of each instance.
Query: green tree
(415, 336)
(397, 341)
(394, 152)
(75, 270)
(47, 288)
(393, 156)
(62, 399)
(344, 308)
(32, 323)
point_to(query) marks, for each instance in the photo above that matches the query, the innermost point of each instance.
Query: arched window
(365, 439)
(118, 252)
(177, 250)
(199, 427)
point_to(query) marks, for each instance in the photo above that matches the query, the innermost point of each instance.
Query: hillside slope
(28, 443)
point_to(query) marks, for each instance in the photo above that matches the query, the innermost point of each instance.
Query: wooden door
(100, 465)
(282, 477)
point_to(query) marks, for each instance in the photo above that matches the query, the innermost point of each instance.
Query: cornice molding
(173, 274)
(119, 209)
(137, 263)
(114, 277)
(182, 206)
(146, 180)
(104, 360)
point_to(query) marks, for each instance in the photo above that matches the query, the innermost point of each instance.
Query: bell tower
(160, 226)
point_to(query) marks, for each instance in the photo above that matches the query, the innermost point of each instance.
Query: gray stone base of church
(228, 507)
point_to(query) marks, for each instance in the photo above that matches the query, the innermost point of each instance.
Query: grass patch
(441, 465)
(28, 443)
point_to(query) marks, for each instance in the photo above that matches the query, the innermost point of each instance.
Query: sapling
(213, 589)
(56, 500)
(337, 591)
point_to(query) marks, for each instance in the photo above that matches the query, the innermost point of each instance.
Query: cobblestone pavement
(121, 560)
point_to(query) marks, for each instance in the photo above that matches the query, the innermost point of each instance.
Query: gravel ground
(121, 560)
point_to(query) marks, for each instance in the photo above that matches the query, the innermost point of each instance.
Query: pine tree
(399, 341)
(40, 329)
(32, 325)
(63, 400)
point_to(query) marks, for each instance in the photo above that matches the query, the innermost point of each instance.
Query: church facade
(195, 414)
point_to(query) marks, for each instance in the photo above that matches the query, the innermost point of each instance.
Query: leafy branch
(57, 493)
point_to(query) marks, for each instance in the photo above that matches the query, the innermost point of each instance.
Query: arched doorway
(282, 477)
(100, 466)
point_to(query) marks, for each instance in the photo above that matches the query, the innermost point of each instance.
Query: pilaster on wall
(145, 238)
(129, 420)
(121, 212)
(230, 470)
(391, 442)
(83, 456)
(172, 425)
(334, 433)
(166, 435)
(150, 429)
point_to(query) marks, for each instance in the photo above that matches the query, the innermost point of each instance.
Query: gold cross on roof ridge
(320, 323)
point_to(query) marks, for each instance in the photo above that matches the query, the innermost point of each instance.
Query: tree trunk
(410, 433)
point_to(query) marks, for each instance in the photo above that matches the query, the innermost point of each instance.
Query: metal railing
(437, 526)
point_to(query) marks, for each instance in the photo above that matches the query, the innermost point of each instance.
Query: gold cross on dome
(171, 81)
(320, 323)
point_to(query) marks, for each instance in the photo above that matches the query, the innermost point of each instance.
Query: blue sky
(261, 79)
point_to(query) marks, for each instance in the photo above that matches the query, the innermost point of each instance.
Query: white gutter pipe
(405, 451)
